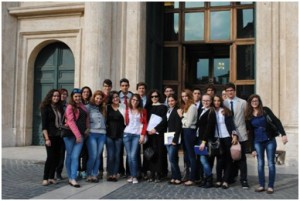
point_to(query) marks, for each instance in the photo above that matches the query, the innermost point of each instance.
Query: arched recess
(53, 68)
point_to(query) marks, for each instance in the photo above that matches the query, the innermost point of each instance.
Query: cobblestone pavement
(286, 187)
(21, 179)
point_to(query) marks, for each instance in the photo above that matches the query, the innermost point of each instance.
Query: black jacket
(174, 125)
(271, 133)
(206, 125)
(48, 120)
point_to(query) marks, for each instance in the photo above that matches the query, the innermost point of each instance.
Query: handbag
(214, 147)
(272, 125)
(236, 151)
(65, 131)
(149, 153)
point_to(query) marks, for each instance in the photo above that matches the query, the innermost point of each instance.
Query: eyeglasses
(254, 101)
(154, 96)
(115, 97)
(124, 85)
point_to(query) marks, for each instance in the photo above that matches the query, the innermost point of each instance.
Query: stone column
(135, 46)
(96, 47)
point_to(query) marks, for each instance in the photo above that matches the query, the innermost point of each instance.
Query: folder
(199, 152)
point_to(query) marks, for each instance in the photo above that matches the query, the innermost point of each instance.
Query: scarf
(58, 119)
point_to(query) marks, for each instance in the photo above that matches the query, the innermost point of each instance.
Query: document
(199, 152)
(168, 138)
(153, 122)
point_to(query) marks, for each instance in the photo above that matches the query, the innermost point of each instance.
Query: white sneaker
(135, 181)
(130, 180)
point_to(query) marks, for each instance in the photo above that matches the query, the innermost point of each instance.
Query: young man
(106, 88)
(141, 88)
(124, 92)
(167, 91)
(211, 90)
(238, 107)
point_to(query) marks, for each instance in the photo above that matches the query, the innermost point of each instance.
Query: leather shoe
(270, 190)
(74, 185)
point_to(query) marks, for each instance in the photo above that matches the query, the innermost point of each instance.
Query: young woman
(97, 136)
(206, 131)
(86, 94)
(263, 139)
(225, 131)
(134, 133)
(188, 113)
(77, 118)
(174, 125)
(63, 98)
(114, 137)
(52, 118)
(159, 163)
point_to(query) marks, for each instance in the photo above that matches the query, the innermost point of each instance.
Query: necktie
(125, 101)
(231, 107)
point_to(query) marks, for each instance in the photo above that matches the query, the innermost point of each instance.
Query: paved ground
(22, 170)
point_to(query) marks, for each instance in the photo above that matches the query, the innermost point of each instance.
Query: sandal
(270, 190)
(177, 182)
(218, 184)
(45, 183)
(189, 183)
(259, 189)
(225, 185)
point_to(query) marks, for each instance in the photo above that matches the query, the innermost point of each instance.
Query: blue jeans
(131, 142)
(189, 135)
(73, 150)
(206, 167)
(95, 144)
(173, 158)
(113, 147)
(270, 148)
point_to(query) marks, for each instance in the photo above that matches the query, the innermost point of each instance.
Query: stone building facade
(108, 40)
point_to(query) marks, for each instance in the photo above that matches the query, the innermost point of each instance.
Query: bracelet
(47, 140)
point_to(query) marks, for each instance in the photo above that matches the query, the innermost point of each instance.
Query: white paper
(168, 138)
(153, 122)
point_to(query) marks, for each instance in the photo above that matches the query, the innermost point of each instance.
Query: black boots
(207, 182)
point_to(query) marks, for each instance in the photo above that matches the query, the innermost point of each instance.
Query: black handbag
(272, 125)
(214, 147)
(149, 153)
(65, 131)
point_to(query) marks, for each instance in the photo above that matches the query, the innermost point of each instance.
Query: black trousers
(241, 164)
(62, 153)
(52, 157)
(83, 158)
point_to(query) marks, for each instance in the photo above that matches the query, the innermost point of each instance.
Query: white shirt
(135, 126)
(223, 132)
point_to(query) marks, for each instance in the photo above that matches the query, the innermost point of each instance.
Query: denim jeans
(173, 158)
(73, 151)
(270, 148)
(95, 144)
(189, 135)
(206, 166)
(113, 147)
(131, 142)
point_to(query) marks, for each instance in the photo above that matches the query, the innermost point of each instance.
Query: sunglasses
(154, 96)
(76, 91)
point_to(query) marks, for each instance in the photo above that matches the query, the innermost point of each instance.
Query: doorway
(53, 69)
(206, 64)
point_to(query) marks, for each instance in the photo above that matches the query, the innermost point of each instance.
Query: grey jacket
(97, 120)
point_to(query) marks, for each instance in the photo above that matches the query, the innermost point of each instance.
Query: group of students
(120, 119)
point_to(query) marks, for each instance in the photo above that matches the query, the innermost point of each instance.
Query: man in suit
(238, 107)
(167, 91)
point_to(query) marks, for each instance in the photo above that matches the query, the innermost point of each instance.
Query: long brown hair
(102, 106)
(48, 99)
(139, 107)
(71, 100)
(227, 112)
(190, 101)
(249, 111)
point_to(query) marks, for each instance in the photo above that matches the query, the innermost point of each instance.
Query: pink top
(71, 121)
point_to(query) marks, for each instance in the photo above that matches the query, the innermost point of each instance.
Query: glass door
(206, 64)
